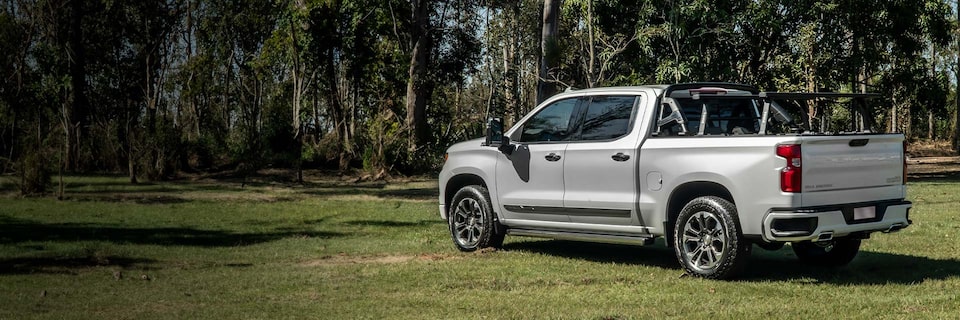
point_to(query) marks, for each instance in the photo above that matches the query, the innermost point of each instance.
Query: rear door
(601, 163)
(530, 180)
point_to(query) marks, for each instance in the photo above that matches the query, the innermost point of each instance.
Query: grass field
(336, 250)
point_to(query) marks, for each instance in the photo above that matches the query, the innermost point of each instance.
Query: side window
(607, 118)
(552, 123)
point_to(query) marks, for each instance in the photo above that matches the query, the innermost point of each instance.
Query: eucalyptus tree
(549, 50)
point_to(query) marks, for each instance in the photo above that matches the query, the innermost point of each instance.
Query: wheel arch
(455, 183)
(685, 192)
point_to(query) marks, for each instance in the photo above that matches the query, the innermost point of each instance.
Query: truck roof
(658, 89)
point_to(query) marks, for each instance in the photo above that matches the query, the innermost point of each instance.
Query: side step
(641, 240)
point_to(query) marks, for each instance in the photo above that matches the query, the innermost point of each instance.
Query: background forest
(156, 88)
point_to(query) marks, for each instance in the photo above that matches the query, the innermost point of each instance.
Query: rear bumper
(827, 222)
(443, 211)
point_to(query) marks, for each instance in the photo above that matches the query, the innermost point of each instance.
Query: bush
(34, 173)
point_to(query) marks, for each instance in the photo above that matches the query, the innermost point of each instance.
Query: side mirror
(494, 132)
(495, 137)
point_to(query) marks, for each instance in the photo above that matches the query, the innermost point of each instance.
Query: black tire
(708, 241)
(473, 224)
(833, 253)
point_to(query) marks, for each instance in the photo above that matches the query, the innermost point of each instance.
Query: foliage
(152, 88)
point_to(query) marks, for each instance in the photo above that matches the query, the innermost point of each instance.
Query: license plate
(864, 213)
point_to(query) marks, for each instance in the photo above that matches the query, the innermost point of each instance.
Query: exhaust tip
(895, 227)
(826, 236)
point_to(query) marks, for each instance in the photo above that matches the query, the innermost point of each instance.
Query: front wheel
(708, 241)
(833, 253)
(472, 223)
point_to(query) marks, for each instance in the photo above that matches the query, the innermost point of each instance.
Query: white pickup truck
(713, 167)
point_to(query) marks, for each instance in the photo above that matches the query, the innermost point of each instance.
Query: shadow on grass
(56, 265)
(157, 188)
(414, 193)
(869, 268)
(654, 255)
(946, 176)
(19, 231)
(134, 199)
(409, 194)
(390, 223)
(344, 184)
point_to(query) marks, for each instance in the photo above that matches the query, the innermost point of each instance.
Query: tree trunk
(591, 68)
(862, 80)
(316, 117)
(13, 142)
(153, 151)
(893, 114)
(299, 84)
(78, 83)
(188, 41)
(510, 68)
(418, 85)
(337, 110)
(549, 50)
(127, 137)
(956, 121)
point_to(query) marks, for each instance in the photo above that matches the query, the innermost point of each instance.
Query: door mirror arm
(505, 146)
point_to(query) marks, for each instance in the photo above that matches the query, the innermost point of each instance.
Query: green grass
(335, 250)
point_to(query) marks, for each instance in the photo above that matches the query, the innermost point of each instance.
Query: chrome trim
(581, 212)
(586, 237)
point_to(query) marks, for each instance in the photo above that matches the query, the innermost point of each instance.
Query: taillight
(791, 177)
(904, 156)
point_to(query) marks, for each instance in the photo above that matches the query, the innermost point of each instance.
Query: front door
(600, 171)
(530, 182)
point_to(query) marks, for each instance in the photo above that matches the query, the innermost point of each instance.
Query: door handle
(552, 157)
(620, 157)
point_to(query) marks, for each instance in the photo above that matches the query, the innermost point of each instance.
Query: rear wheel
(471, 220)
(708, 241)
(833, 253)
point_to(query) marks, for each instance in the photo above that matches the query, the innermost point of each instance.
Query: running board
(642, 240)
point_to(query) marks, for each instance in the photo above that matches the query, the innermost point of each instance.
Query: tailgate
(852, 168)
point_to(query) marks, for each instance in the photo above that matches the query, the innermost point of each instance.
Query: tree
(956, 72)
(549, 50)
(77, 127)
(419, 86)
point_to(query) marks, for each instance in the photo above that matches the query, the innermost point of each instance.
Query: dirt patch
(928, 165)
(930, 148)
(344, 259)
(287, 177)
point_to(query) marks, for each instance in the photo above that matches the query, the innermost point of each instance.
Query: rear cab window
(607, 117)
